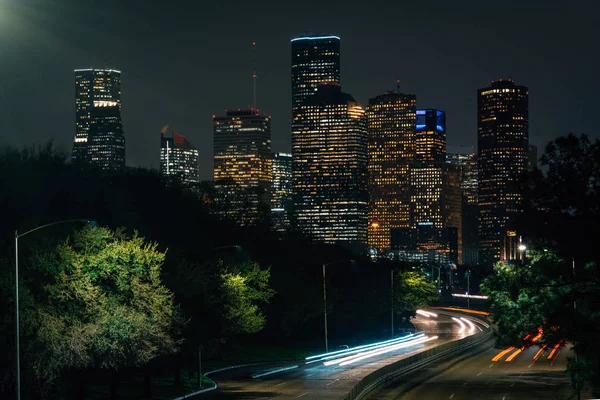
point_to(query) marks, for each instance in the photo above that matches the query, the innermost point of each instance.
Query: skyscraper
(281, 190)
(179, 158)
(468, 169)
(391, 128)
(329, 167)
(315, 61)
(98, 88)
(106, 140)
(503, 136)
(430, 137)
(242, 162)
(435, 189)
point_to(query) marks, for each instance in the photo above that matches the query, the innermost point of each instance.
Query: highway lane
(316, 380)
(478, 377)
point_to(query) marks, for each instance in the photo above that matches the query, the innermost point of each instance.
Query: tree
(542, 294)
(101, 305)
(563, 199)
(411, 292)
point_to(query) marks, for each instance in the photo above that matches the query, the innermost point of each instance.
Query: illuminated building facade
(503, 144)
(242, 163)
(391, 127)
(468, 183)
(315, 61)
(106, 140)
(425, 244)
(179, 158)
(98, 88)
(430, 137)
(329, 167)
(435, 192)
(281, 190)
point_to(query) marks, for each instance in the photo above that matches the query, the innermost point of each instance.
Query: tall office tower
(179, 158)
(468, 167)
(281, 190)
(242, 163)
(503, 135)
(329, 167)
(430, 136)
(106, 140)
(533, 157)
(435, 185)
(391, 128)
(315, 61)
(94, 88)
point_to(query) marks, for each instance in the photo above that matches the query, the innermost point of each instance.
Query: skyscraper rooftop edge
(315, 38)
(96, 69)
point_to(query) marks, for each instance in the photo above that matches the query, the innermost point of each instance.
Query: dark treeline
(40, 186)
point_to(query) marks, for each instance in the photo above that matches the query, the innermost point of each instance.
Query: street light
(17, 236)
(522, 248)
(325, 299)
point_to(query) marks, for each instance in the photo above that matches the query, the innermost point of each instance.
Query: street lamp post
(392, 308)
(325, 300)
(17, 236)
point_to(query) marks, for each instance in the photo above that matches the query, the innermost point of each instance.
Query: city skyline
(450, 85)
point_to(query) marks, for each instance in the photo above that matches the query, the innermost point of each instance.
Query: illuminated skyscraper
(468, 167)
(329, 167)
(315, 61)
(106, 141)
(503, 136)
(98, 88)
(281, 190)
(179, 158)
(430, 137)
(242, 162)
(391, 128)
(435, 186)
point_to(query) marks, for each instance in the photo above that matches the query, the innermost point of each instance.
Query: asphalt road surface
(479, 377)
(318, 381)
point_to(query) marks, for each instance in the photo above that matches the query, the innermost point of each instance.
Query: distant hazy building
(281, 190)
(425, 244)
(391, 128)
(179, 158)
(242, 163)
(315, 61)
(98, 114)
(469, 235)
(329, 167)
(503, 144)
(533, 157)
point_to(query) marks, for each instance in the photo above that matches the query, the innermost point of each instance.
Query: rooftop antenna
(398, 86)
(254, 105)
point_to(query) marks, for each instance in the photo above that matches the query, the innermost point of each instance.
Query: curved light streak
(369, 350)
(462, 326)
(339, 353)
(386, 350)
(471, 325)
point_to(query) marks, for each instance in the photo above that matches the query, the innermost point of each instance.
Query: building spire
(398, 86)
(254, 76)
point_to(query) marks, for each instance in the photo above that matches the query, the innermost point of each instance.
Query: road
(478, 377)
(318, 381)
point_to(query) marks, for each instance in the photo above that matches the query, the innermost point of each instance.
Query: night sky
(183, 61)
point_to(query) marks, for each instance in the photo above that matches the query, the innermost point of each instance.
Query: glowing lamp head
(522, 247)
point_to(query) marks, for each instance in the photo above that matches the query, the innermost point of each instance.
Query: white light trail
(462, 326)
(471, 325)
(364, 347)
(370, 349)
(386, 350)
(470, 296)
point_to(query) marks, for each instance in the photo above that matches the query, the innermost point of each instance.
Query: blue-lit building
(315, 61)
(430, 137)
